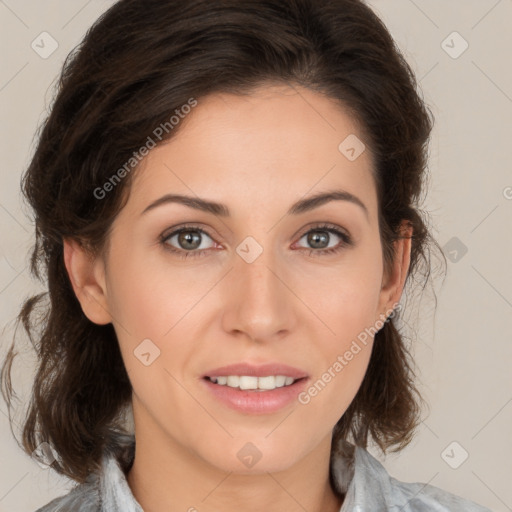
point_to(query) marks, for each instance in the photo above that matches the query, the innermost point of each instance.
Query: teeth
(250, 382)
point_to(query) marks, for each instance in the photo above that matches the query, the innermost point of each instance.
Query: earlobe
(87, 276)
(392, 286)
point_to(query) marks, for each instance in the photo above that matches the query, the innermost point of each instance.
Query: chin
(245, 457)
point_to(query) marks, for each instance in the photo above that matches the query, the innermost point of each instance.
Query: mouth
(255, 389)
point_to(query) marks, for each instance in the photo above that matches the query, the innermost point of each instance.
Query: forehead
(276, 144)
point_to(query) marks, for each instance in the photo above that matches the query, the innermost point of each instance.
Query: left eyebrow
(309, 203)
(301, 206)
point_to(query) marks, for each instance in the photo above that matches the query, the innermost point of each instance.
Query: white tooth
(233, 381)
(222, 381)
(247, 382)
(267, 382)
(288, 381)
(213, 379)
(280, 381)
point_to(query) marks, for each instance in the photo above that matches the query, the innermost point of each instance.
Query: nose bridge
(260, 305)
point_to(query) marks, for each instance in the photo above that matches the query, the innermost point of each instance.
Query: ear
(393, 281)
(87, 276)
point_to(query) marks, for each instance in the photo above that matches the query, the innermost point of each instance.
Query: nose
(260, 304)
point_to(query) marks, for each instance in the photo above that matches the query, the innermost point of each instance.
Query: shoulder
(418, 497)
(83, 498)
(404, 496)
(106, 489)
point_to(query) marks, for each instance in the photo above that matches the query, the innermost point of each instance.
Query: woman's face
(249, 283)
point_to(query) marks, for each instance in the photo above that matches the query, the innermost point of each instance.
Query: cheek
(148, 297)
(345, 298)
(156, 309)
(343, 360)
(347, 306)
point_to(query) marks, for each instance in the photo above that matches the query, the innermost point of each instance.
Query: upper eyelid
(172, 231)
(324, 225)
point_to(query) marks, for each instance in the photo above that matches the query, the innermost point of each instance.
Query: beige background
(463, 350)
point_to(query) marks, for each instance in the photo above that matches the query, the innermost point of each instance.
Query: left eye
(316, 238)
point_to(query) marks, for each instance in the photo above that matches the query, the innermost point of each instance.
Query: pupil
(187, 237)
(315, 238)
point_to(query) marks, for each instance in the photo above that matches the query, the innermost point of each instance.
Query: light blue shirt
(359, 476)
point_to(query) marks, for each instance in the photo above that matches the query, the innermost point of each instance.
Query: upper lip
(253, 370)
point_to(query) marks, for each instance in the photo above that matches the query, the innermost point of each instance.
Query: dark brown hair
(142, 60)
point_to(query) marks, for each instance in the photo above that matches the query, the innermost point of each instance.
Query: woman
(225, 197)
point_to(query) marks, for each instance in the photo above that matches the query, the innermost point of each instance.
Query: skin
(257, 154)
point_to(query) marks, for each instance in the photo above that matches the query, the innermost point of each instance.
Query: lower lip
(254, 401)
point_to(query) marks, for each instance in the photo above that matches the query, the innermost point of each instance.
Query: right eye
(186, 241)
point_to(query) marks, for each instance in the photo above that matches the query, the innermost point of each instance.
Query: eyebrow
(301, 206)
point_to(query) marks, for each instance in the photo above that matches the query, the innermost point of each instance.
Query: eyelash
(329, 228)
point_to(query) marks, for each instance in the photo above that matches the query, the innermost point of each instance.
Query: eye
(187, 241)
(320, 237)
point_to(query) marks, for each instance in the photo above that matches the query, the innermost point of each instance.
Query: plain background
(463, 347)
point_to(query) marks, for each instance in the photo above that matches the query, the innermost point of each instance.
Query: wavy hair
(139, 62)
